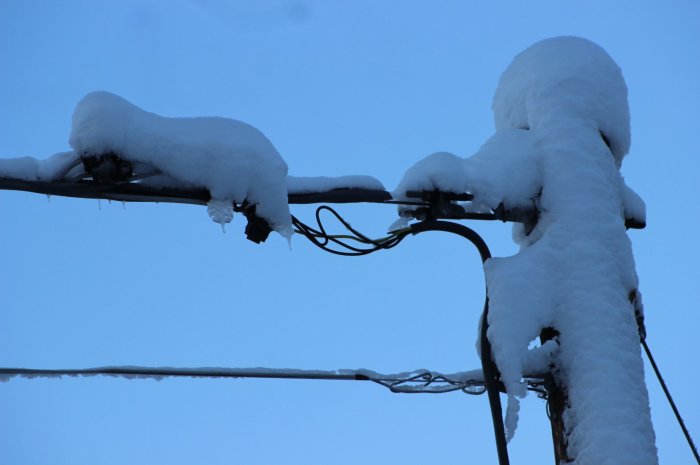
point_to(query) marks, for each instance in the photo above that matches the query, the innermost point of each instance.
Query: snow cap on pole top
(565, 77)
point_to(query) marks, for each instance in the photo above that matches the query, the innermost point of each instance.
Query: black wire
(339, 218)
(321, 239)
(670, 401)
(490, 370)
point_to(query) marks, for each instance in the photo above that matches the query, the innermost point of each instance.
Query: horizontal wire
(417, 382)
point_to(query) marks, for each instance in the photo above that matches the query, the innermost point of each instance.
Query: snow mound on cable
(509, 154)
(565, 77)
(232, 159)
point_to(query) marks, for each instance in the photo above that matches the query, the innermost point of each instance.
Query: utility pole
(557, 400)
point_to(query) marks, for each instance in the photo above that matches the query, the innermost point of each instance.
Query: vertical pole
(556, 403)
(557, 400)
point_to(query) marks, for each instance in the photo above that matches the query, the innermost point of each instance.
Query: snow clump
(231, 159)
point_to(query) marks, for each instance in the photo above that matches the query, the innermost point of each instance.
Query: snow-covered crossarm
(412, 382)
(123, 153)
(18, 174)
(141, 192)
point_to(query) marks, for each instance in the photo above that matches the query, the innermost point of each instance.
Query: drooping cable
(340, 244)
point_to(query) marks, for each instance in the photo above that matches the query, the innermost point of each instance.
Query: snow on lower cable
(232, 159)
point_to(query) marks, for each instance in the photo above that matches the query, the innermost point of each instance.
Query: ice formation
(562, 130)
(231, 159)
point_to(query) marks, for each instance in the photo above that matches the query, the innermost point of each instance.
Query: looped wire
(339, 243)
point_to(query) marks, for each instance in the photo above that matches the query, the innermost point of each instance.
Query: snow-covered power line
(413, 382)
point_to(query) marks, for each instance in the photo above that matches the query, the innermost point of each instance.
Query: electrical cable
(320, 237)
(415, 382)
(670, 400)
(490, 370)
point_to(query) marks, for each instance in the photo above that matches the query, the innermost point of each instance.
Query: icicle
(99, 204)
(123, 205)
(220, 211)
(48, 197)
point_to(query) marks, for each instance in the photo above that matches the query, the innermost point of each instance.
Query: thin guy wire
(670, 401)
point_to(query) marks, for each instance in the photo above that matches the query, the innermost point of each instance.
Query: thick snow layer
(565, 77)
(481, 176)
(31, 169)
(305, 185)
(232, 159)
(562, 128)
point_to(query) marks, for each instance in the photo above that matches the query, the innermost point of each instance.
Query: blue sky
(340, 88)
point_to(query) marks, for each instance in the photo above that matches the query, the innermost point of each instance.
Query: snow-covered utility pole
(562, 130)
(552, 168)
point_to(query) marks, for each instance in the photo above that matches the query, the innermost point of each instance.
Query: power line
(676, 412)
(415, 382)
